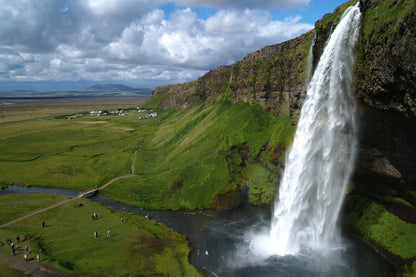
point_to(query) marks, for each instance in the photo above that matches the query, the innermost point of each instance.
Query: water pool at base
(220, 243)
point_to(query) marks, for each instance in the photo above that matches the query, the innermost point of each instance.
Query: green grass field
(13, 207)
(61, 153)
(186, 159)
(139, 247)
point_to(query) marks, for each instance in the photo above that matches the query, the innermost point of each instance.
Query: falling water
(320, 162)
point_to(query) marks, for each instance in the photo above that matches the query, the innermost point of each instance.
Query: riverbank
(125, 243)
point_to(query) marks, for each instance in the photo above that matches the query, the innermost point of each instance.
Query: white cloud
(131, 40)
(242, 4)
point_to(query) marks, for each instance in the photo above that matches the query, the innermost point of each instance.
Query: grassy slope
(197, 154)
(13, 207)
(136, 248)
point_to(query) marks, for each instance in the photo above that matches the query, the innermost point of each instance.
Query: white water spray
(320, 162)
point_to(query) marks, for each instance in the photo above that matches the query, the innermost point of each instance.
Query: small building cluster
(148, 115)
(95, 113)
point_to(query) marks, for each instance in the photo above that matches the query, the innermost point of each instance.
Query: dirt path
(31, 268)
(133, 165)
(67, 200)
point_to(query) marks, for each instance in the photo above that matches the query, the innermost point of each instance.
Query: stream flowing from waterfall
(320, 162)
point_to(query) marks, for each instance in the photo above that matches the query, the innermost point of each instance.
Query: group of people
(27, 251)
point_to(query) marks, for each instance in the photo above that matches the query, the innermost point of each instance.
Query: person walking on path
(95, 234)
(38, 258)
(25, 256)
(108, 233)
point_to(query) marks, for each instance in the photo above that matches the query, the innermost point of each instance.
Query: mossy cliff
(381, 206)
(383, 189)
(274, 76)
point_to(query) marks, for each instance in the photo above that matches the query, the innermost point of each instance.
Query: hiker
(122, 220)
(25, 256)
(12, 247)
(27, 249)
(18, 238)
(95, 234)
(108, 233)
(43, 224)
(38, 258)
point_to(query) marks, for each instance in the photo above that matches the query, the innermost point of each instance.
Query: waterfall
(321, 159)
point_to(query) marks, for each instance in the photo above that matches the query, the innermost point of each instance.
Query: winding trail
(82, 194)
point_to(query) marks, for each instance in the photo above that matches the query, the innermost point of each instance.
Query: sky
(51, 45)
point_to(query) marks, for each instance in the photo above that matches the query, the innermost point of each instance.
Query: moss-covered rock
(382, 224)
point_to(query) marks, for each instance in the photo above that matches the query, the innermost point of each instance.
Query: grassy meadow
(13, 207)
(198, 157)
(139, 247)
(59, 152)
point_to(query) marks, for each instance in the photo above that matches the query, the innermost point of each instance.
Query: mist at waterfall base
(304, 223)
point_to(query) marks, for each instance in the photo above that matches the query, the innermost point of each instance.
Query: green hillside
(202, 157)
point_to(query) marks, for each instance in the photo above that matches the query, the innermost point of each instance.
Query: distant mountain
(111, 87)
(96, 90)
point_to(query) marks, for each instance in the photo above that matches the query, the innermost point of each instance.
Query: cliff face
(386, 89)
(275, 75)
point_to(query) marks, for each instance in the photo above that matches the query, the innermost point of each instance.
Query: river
(220, 243)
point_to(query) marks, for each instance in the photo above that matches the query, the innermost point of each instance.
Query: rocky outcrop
(274, 76)
(177, 96)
